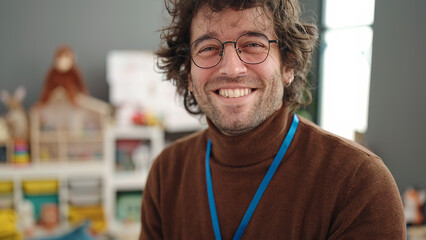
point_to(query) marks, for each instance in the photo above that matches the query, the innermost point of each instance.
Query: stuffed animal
(413, 204)
(63, 73)
(26, 216)
(4, 130)
(16, 118)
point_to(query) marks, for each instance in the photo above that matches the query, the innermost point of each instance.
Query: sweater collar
(260, 144)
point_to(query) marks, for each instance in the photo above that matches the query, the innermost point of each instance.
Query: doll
(64, 73)
(16, 118)
(17, 122)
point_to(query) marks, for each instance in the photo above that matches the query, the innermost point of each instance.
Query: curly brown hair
(297, 42)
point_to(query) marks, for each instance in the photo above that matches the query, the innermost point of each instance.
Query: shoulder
(364, 188)
(314, 132)
(343, 160)
(328, 146)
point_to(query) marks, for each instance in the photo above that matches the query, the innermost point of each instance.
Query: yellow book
(40, 187)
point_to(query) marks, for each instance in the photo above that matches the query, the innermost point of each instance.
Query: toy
(66, 123)
(16, 118)
(59, 112)
(62, 87)
(8, 228)
(4, 130)
(21, 152)
(413, 203)
(80, 233)
(94, 214)
(17, 121)
(49, 216)
(59, 119)
(26, 216)
(5, 141)
(64, 73)
(144, 118)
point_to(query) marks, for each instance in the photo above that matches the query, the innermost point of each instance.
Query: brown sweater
(325, 188)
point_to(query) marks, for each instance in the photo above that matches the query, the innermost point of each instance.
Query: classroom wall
(397, 112)
(30, 31)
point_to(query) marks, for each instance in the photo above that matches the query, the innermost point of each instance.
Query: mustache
(244, 80)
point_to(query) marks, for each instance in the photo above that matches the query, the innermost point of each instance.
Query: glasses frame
(221, 53)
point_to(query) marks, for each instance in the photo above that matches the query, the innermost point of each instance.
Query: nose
(231, 65)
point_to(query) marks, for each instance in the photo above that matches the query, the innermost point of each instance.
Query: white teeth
(237, 93)
(234, 93)
(230, 93)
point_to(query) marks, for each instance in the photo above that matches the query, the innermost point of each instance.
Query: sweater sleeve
(372, 206)
(151, 224)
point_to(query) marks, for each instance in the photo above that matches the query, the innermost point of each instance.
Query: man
(258, 171)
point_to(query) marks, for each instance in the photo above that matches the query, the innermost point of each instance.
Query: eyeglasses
(251, 48)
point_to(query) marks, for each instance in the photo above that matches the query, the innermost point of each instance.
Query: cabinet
(85, 166)
(5, 151)
(119, 189)
(48, 183)
(139, 145)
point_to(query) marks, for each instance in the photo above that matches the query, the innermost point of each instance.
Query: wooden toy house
(64, 130)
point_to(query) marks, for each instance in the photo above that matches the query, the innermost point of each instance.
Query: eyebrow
(252, 33)
(206, 36)
(198, 40)
(214, 35)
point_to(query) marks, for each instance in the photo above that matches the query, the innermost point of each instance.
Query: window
(345, 66)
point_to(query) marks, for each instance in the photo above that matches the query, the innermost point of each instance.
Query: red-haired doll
(64, 73)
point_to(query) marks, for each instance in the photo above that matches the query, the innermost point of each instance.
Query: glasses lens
(253, 48)
(206, 52)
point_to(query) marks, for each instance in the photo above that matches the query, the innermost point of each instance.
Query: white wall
(30, 31)
(397, 112)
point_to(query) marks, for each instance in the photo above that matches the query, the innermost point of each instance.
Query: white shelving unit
(128, 180)
(59, 171)
(103, 169)
(7, 147)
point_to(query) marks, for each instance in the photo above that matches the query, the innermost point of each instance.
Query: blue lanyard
(260, 190)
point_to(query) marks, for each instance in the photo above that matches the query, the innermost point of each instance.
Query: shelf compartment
(49, 152)
(128, 206)
(83, 151)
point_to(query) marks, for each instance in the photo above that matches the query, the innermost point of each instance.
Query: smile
(234, 93)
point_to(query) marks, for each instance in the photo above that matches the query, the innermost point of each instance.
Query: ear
(288, 75)
(20, 93)
(190, 87)
(5, 97)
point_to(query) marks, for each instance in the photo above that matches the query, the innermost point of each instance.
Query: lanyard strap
(260, 190)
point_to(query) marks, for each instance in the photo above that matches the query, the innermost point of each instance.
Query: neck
(253, 146)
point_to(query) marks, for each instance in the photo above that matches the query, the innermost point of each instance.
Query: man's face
(237, 97)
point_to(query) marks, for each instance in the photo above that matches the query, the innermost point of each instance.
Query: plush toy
(413, 204)
(17, 121)
(49, 216)
(26, 216)
(64, 73)
(16, 118)
(80, 233)
(4, 130)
